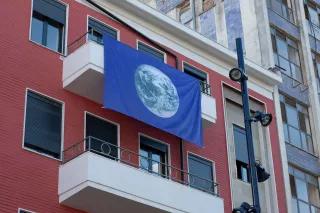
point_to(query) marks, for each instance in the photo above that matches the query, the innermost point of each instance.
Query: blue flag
(141, 86)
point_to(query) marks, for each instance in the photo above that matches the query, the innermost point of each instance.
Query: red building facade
(29, 180)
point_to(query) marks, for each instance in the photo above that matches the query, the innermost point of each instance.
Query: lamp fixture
(264, 118)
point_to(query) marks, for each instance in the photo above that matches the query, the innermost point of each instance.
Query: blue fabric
(142, 87)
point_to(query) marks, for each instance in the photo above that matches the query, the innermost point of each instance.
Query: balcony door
(102, 136)
(153, 156)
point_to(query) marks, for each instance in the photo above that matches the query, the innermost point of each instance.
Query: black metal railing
(128, 157)
(282, 10)
(82, 40)
(205, 88)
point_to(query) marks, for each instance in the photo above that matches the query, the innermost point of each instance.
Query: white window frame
(106, 120)
(65, 32)
(152, 47)
(103, 23)
(62, 123)
(158, 141)
(191, 65)
(213, 164)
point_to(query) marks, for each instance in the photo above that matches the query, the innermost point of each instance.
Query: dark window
(97, 30)
(201, 173)
(43, 125)
(194, 72)
(102, 136)
(242, 161)
(151, 51)
(48, 24)
(153, 156)
(200, 75)
(24, 211)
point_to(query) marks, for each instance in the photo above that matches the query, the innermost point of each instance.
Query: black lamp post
(239, 75)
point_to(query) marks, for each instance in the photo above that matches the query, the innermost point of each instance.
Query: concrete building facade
(282, 36)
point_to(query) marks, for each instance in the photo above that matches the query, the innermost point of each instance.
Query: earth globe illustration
(156, 91)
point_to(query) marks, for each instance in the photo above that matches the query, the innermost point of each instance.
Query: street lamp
(264, 118)
(239, 75)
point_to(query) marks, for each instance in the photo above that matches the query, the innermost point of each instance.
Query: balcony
(96, 176)
(83, 71)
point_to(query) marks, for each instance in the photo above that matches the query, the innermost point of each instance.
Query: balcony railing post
(89, 145)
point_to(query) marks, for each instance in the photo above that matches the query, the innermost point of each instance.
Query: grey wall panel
(233, 22)
(290, 87)
(283, 24)
(207, 25)
(303, 160)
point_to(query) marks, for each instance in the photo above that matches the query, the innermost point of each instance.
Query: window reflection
(296, 124)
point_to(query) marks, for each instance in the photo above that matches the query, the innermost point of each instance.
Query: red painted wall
(29, 180)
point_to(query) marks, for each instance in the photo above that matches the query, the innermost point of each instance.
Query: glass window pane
(314, 18)
(53, 37)
(313, 194)
(201, 173)
(286, 133)
(294, 204)
(282, 48)
(302, 190)
(304, 143)
(36, 30)
(303, 207)
(155, 163)
(292, 116)
(144, 163)
(294, 136)
(293, 55)
(293, 186)
(284, 64)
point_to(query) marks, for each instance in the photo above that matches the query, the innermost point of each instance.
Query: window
(185, 14)
(153, 156)
(198, 74)
(24, 211)
(286, 55)
(151, 51)
(242, 160)
(207, 4)
(316, 66)
(311, 12)
(304, 191)
(48, 24)
(200, 173)
(102, 136)
(296, 124)
(97, 29)
(43, 125)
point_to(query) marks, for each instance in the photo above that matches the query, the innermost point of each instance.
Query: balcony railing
(128, 157)
(282, 10)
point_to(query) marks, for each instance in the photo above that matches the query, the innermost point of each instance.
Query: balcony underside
(83, 73)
